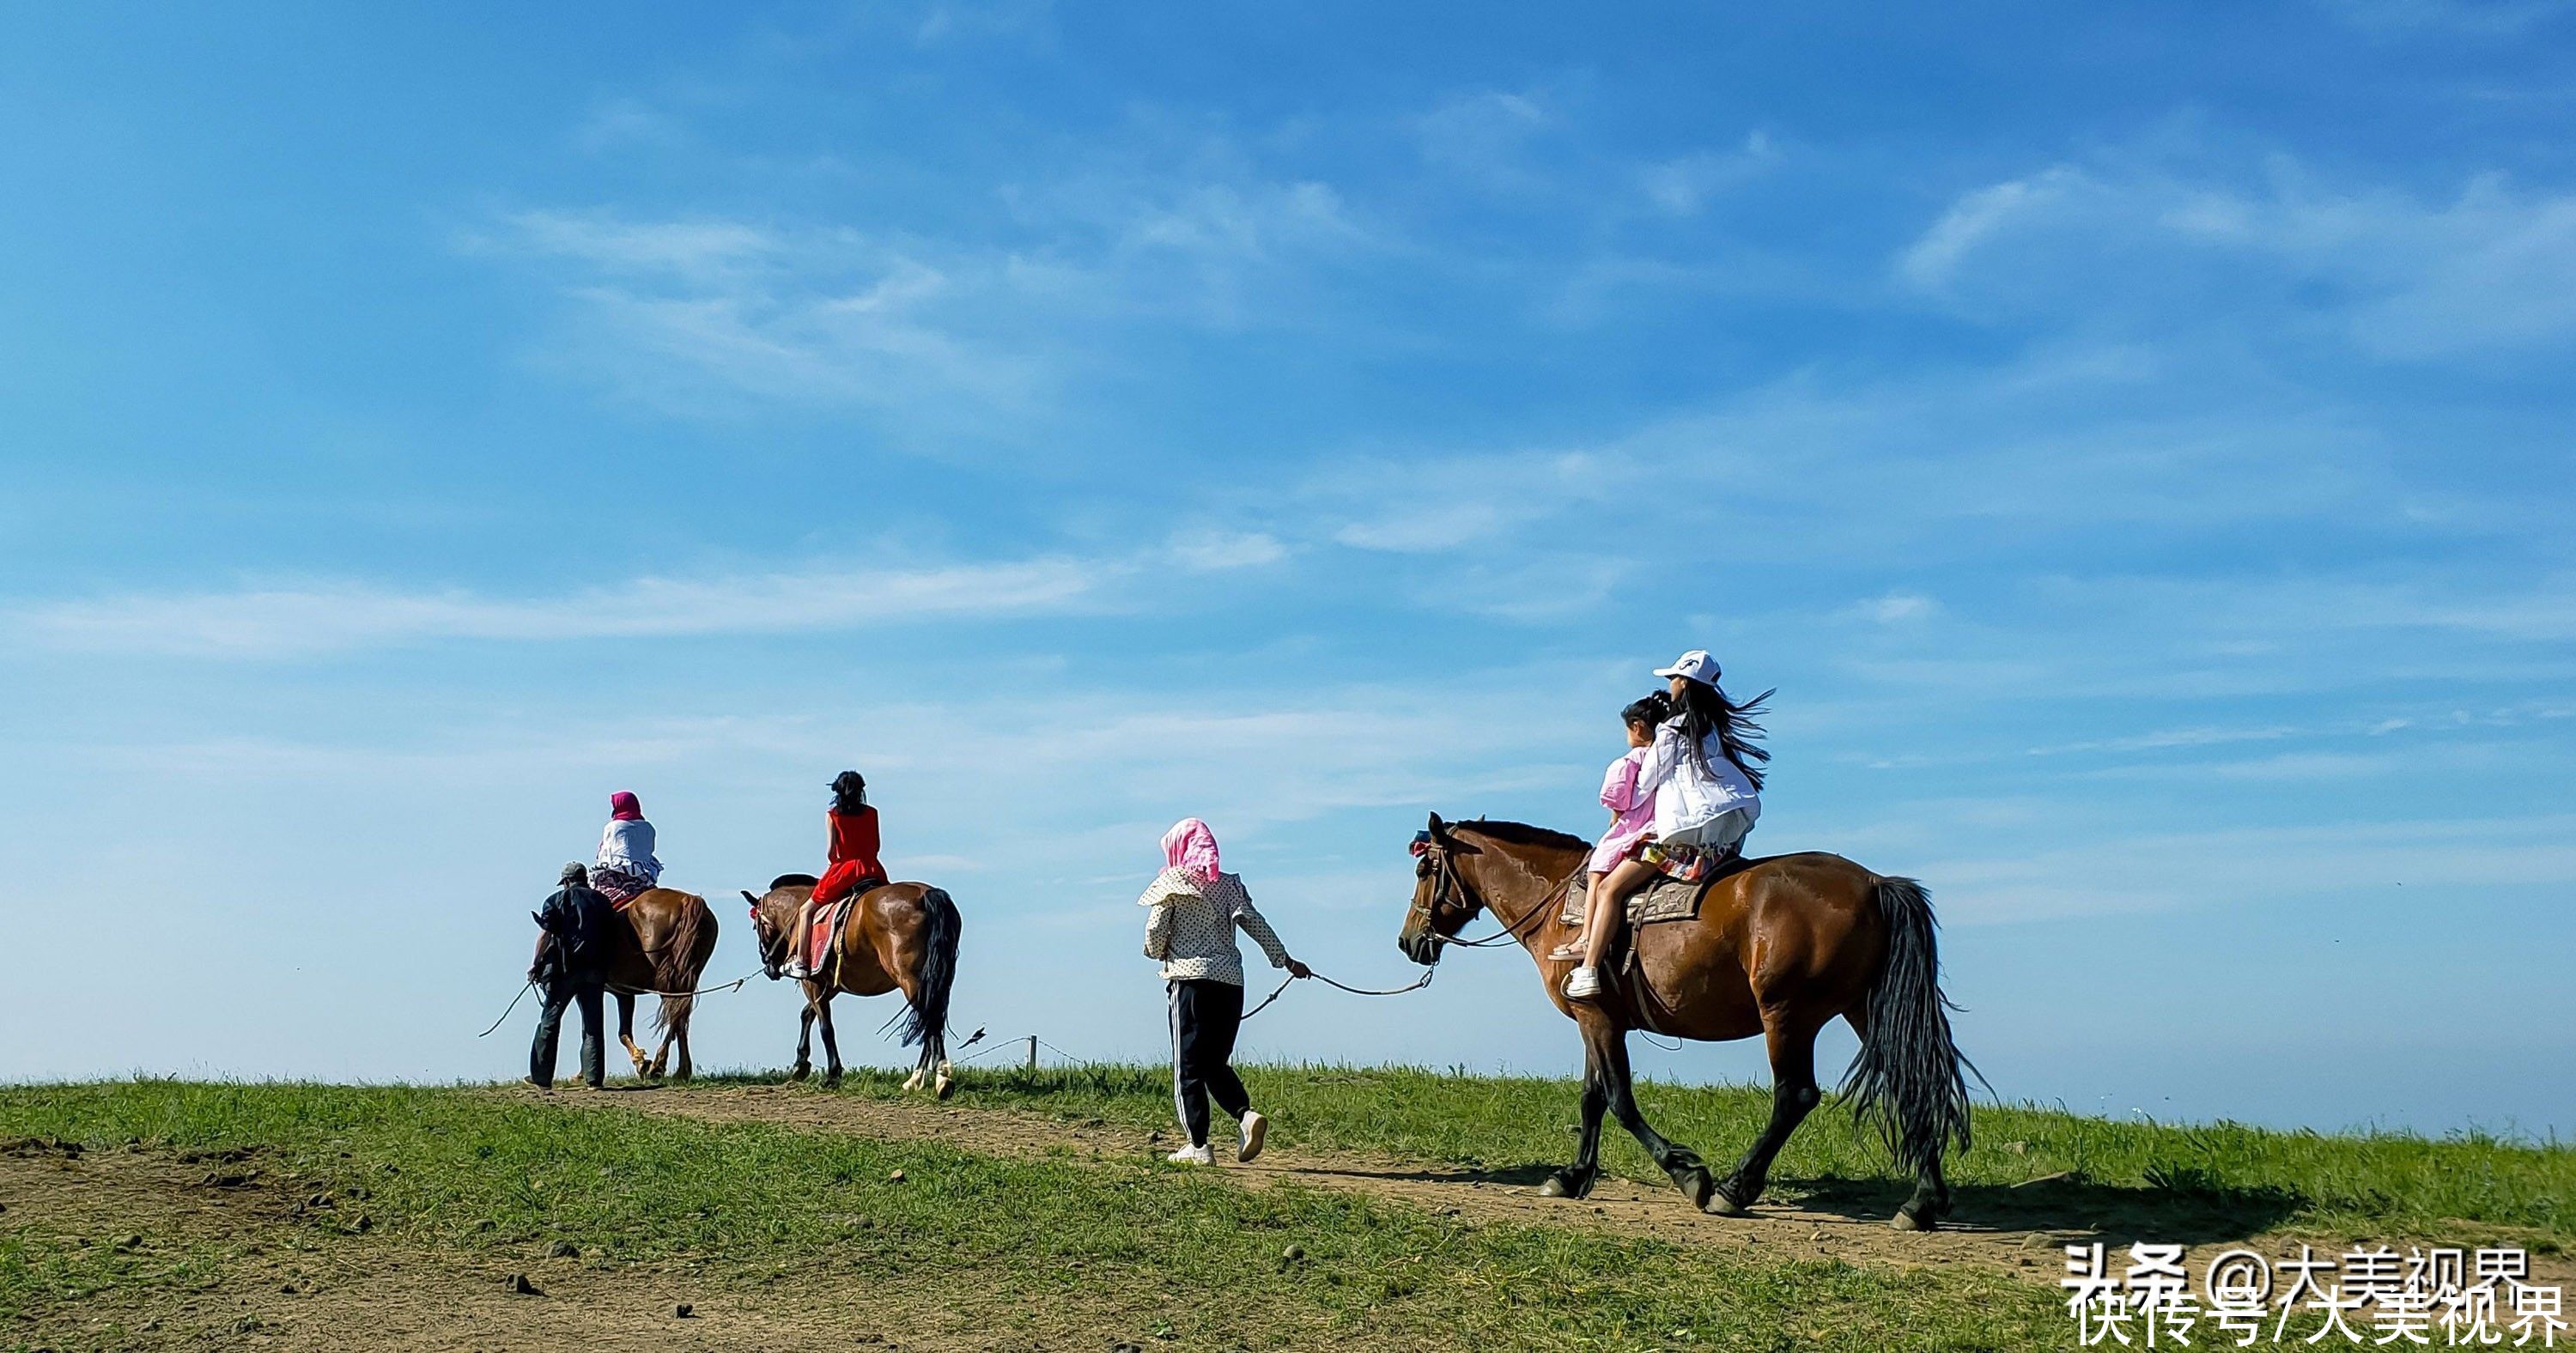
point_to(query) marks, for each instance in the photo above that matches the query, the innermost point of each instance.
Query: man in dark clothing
(571, 966)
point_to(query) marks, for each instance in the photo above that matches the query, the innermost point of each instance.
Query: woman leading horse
(1780, 947)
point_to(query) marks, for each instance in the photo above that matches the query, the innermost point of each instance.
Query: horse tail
(682, 957)
(926, 1019)
(1907, 1080)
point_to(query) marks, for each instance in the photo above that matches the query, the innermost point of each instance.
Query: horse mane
(792, 880)
(1523, 834)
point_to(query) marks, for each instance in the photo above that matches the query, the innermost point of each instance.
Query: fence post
(1033, 1052)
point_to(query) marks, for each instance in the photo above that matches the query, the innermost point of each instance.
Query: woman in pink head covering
(626, 867)
(1196, 907)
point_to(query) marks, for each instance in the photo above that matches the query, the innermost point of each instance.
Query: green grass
(1170, 1252)
(1131, 1249)
(2383, 1182)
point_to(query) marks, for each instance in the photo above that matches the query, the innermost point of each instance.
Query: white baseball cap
(1696, 664)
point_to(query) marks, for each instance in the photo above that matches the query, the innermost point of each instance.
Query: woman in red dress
(853, 869)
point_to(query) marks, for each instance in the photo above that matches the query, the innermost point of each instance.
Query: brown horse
(1780, 947)
(899, 935)
(661, 951)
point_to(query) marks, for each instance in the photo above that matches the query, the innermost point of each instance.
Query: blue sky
(2133, 440)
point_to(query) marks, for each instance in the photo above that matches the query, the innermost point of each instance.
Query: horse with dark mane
(661, 950)
(1780, 947)
(898, 936)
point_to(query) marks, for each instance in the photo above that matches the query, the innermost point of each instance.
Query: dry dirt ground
(372, 1292)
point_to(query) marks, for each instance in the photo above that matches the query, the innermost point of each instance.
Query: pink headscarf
(1190, 846)
(622, 807)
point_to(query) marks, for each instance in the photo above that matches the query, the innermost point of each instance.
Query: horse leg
(804, 1041)
(662, 1051)
(680, 1031)
(935, 1055)
(1576, 1180)
(1931, 1200)
(1681, 1164)
(1792, 1044)
(626, 1030)
(831, 1045)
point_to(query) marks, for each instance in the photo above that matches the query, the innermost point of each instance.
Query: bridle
(1447, 886)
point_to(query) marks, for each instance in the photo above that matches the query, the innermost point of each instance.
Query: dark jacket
(578, 919)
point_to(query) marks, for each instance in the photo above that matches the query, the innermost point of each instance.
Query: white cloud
(2491, 269)
(1212, 551)
(289, 621)
(1682, 186)
(1977, 217)
(1899, 608)
(1481, 136)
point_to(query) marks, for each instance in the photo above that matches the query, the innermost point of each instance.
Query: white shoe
(1255, 1128)
(1193, 1155)
(1582, 984)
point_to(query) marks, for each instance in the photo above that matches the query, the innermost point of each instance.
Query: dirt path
(2021, 1231)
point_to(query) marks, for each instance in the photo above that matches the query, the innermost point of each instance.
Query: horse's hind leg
(680, 1031)
(1681, 1164)
(626, 1030)
(1791, 1040)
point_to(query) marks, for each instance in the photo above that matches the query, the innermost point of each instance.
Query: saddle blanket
(827, 923)
(1665, 899)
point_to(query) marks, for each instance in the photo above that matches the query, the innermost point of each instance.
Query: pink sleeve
(1619, 786)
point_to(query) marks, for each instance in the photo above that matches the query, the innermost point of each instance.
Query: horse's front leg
(626, 1030)
(831, 1045)
(1576, 1180)
(1681, 1164)
(804, 1040)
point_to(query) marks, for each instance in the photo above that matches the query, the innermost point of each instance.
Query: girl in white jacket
(1705, 771)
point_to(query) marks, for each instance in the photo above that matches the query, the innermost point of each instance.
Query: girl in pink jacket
(1632, 814)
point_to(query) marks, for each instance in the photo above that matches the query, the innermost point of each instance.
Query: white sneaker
(1582, 984)
(1193, 1155)
(1255, 1128)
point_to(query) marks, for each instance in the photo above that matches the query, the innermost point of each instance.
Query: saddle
(1666, 899)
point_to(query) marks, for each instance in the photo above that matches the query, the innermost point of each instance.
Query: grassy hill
(155, 1212)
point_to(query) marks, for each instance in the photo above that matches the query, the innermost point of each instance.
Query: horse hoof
(944, 1088)
(799, 1073)
(833, 1081)
(1719, 1205)
(912, 1082)
(1907, 1219)
(1565, 1184)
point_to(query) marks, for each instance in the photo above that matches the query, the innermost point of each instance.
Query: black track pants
(1205, 1016)
(560, 992)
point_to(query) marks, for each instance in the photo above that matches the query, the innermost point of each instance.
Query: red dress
(854, 856)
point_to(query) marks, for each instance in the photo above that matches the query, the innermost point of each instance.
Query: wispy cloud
(2491, 269)
(316, 617)
(301, 620)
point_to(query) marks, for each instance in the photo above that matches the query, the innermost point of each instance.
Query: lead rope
(1416, 984)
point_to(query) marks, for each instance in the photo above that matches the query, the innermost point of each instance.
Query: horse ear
(1439, 829)
(747, 897)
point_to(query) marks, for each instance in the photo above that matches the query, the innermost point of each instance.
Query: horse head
(773, 914)
(1443, 903)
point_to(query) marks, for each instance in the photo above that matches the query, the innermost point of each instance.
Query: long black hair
(849, 792)
(1704, 709)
